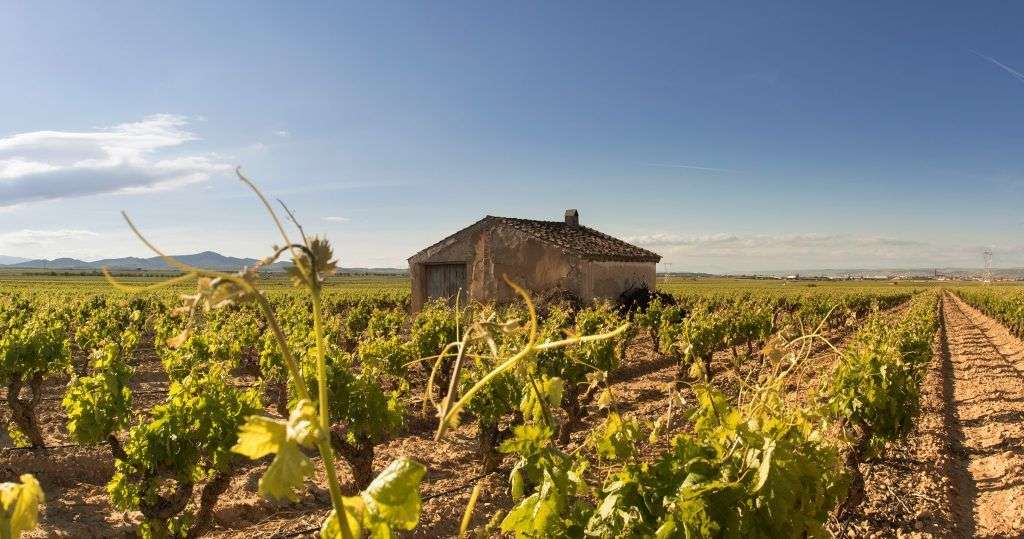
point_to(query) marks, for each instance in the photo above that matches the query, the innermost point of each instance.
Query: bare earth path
(988, 404)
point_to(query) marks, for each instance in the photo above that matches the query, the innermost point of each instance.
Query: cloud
(1016, 74)
(336, 219)
(744, 252)
(30, 239)
(283, 133)
(125, 158)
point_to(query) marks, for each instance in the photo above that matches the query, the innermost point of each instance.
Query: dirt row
(961, 472)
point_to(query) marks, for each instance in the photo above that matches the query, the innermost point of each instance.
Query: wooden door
(446, 280)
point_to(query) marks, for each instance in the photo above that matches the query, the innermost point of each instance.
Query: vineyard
(736, 410)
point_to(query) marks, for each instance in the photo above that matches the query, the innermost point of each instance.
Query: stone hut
(544, 257)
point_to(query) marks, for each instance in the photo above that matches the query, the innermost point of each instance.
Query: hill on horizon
(206, 260)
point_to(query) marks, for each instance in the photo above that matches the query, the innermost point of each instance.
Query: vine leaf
(766, 463)
(20, 506)
(261, 436)
(392, 501)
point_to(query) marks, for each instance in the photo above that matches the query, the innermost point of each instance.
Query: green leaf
(261, 436)
(354, 510)
(518, 483)
(20, 503)
(521, 517)
(286, 473)
(393, 498)
(766, 463)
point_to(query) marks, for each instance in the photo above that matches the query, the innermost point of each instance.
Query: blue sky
(725, 136)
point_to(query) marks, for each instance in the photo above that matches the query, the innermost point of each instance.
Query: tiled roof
(580, 240)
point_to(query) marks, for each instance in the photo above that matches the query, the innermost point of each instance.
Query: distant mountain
(57, 263)
(205, 260)
(11, 260)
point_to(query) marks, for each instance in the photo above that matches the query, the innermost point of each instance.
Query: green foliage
(760, 470)
(102, 320)
(876, 384)
(185, 439)
(433, 328)
(385, 322)
(99, 405)
(33, 341)
(357, 319)
(700, 335)
(384, 355)
(669, 326)
(650, 318)
(33, 346)
(358, 401)
(546, 486)
(1005, 304)
(616, 438)
(503, 395)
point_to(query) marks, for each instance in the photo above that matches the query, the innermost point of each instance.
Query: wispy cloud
(29, 239)
(692, 167)
(337, 219)
(1017, 74)
(742, 252)
(283, 133)
(125, 158)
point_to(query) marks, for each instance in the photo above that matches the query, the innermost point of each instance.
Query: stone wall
(533, 264)
(610, 279)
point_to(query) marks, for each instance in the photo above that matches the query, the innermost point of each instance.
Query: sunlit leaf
(20, 503)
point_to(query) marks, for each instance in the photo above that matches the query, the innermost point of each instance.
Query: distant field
(399, 284)
(710, 284)
(94, 283)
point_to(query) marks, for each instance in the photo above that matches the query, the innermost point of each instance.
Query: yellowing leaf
(20, 503)
(286, 473)
(354, 510)
(260, 436)
(303, 427)
(766, 463)
(179, 339)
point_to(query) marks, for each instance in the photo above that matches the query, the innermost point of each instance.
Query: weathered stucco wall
(533, 264)
(491, 250)
(610, 279)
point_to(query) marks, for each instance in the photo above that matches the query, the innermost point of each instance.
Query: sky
(724, 136)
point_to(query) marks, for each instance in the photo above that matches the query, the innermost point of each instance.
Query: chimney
(572, 217)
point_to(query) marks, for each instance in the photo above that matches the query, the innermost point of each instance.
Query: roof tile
(580, 240)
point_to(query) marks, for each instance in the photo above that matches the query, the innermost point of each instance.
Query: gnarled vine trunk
(280, 390)
(488, 437)
(856, 455)
(115, 448)
(23, 412)
(359, 457)
(164, 508)
(575, 410)
(207, 501)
